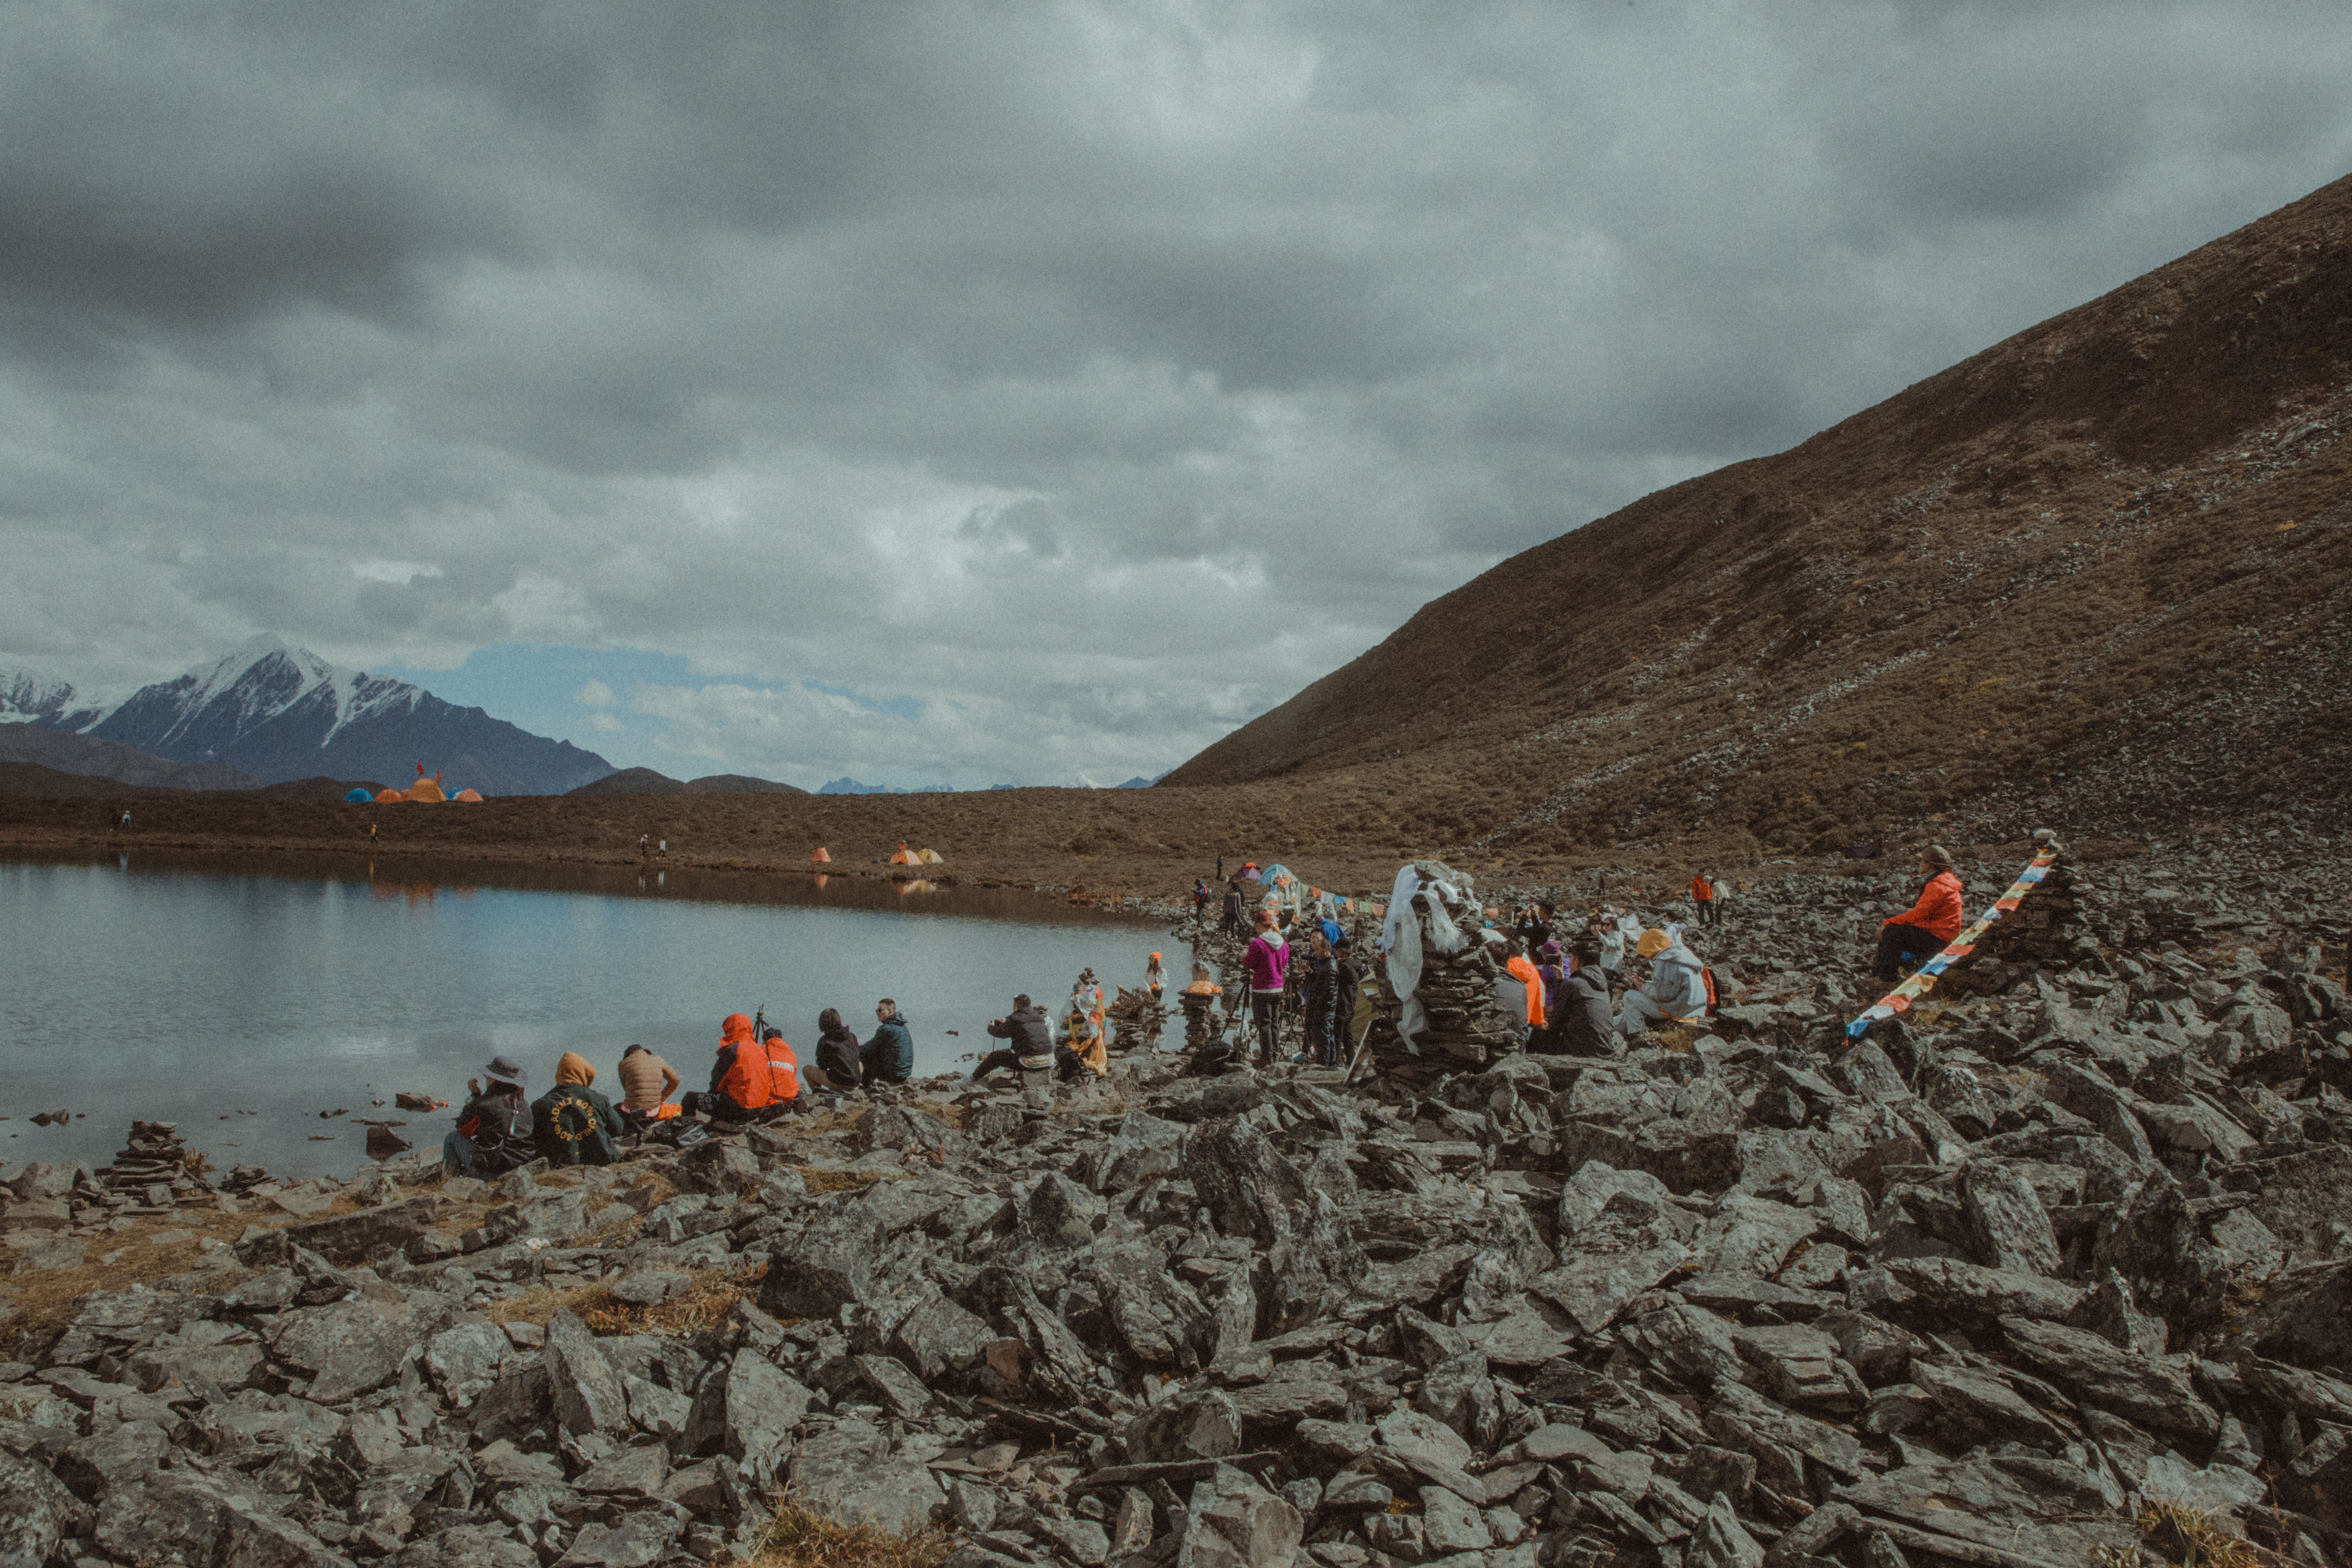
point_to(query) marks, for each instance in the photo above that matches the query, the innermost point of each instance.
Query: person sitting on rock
(1921, 931)
(1676, 988)
(493, 1131)
(751, 1080)
(646, 1084)
(1029, 1042)
(572, 1124)
(837, 1068)
(1581, 1024)
(889, 1056)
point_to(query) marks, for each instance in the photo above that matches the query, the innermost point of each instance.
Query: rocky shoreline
(2054, 1270)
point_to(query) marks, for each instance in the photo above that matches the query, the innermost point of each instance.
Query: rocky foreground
(2056, 1272)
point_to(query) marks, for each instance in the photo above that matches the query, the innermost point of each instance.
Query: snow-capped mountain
(282, 713)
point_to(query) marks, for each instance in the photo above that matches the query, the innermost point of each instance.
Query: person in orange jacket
(1919, 933)
(1703, 895)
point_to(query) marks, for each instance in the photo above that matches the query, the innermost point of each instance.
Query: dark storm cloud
(1093, 374)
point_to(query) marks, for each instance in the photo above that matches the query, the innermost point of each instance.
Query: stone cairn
(1136, 1018)
(154, 1166)
(1457, 991)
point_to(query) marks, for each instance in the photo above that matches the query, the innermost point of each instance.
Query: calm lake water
(240, 997)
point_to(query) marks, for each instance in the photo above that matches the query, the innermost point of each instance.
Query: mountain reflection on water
(253, 993)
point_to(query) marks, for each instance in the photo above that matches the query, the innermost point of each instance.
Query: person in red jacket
(1919, 933)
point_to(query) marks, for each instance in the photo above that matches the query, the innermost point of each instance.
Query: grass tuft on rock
(799, 1537)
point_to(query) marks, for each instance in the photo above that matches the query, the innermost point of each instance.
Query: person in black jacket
(1583, 1024)
(1029, 1041)
(493, 1131)
(1321, 988)
(837, 1051)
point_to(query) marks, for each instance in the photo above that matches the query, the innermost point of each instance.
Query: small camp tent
(387, 797)
(929, 858)
(426, 790)
(905, 856)
(468, 794)
(359, 795)
(820, 856)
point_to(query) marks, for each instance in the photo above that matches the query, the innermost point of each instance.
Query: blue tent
(360, 796)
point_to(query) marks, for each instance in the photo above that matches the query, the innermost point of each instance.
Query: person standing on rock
(1703, 894)
(889, 1056)
(1357, 1001)
(1323, 1002)
(1230, 921)
(572, 1124)
(1267, 962)
(1921, 931)
(493, 1131)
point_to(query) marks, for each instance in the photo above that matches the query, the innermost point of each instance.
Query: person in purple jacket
(1265, 963)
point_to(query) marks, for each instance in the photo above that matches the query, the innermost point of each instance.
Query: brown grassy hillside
(2097, 572)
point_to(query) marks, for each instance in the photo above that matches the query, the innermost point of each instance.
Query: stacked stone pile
(153, 1167)
(1975, 1291)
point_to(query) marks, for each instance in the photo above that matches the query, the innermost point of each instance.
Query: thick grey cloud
(1094, 375)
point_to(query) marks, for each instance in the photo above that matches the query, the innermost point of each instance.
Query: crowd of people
(755, 1077)
(1565, 986)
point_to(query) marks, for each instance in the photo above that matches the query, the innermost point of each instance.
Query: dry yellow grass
(2195, 1539)
(799, 1539)
(708, 1301)
(44, 1299)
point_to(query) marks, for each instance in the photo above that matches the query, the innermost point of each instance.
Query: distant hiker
(1029, 1042)
(751, 1080)
(1220, 867)
(1322, 987)
(1230, 921)
(1581, 1024)
(836, 1066)
(646, 1084)
(493, 1131)
(661, 847)
(1676, 988)
(645, 845)
(572, 1124)
(1155, 979)
(371, 833)
(889, 1056)
(1267, 962)
(1200, 901)
(1703, 895)
(1921, 931)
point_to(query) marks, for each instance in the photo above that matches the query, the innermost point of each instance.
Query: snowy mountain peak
(281, 712)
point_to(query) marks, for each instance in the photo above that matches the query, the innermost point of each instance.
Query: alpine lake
(270, 1005)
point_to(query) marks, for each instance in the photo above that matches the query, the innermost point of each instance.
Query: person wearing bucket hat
(1676, 986)
(493, 1131)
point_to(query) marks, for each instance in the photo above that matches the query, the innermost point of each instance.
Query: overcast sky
(1004, 392)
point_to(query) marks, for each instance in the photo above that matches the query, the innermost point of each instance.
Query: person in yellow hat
(1155, 978)
(1676, 987)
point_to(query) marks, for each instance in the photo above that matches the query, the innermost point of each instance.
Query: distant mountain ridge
(281, 714)
(36, 745)
(647, 780)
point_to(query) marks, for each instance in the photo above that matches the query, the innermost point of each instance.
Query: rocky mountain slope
(2098, 573)
(281, 713)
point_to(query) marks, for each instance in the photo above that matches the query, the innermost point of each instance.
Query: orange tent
(471, 794)
(820, 858)
(386, 796)
(426, 790)
(906, 856)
